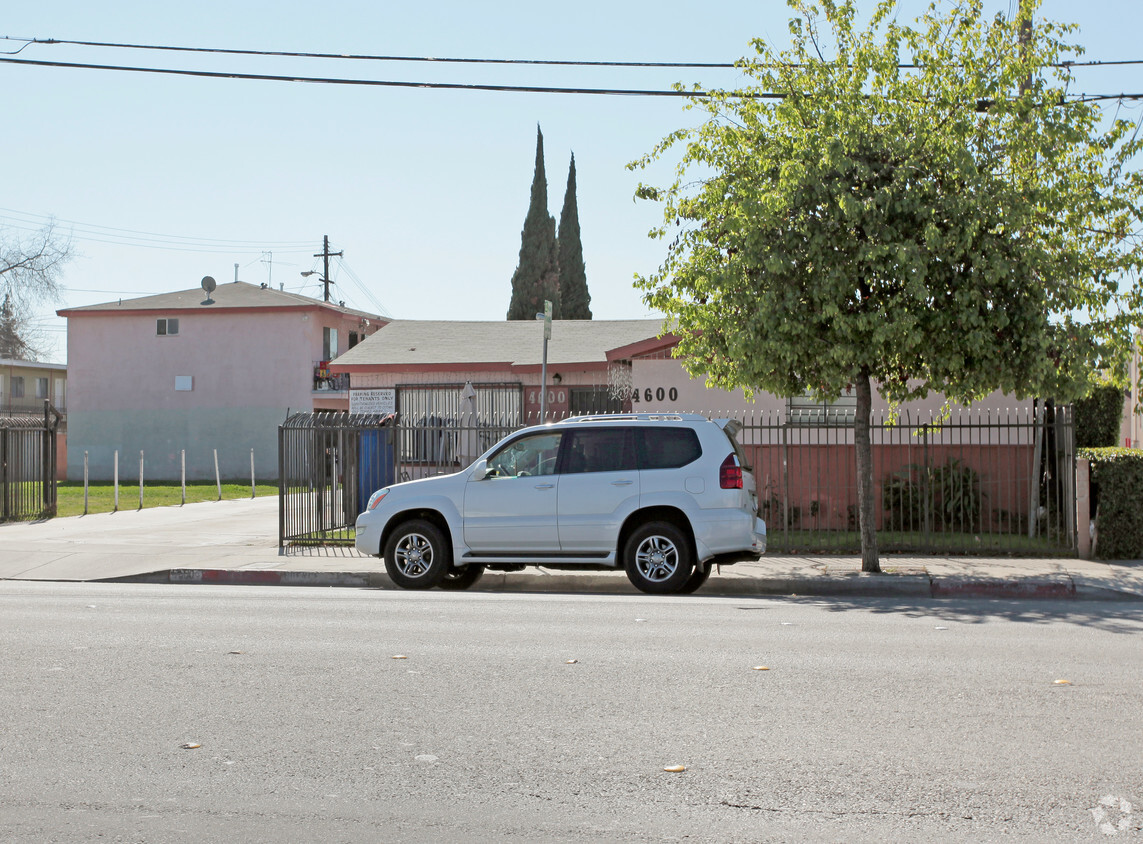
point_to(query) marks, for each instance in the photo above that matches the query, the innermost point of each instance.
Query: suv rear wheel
(417, 555)
(657, 558)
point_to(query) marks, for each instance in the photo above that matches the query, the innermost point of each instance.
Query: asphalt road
(516, 717)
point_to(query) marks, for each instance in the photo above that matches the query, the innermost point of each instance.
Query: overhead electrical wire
(26, 42)
(457, 86)
(33, 223)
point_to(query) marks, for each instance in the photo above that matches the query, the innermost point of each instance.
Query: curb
(857, 584)
(264, 577)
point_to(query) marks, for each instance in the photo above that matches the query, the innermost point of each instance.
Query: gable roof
(518, 343)
(235, 295)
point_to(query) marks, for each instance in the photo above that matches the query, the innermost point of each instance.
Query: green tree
(957, 227)
(537, 275)
(575, 301)
(30, 268)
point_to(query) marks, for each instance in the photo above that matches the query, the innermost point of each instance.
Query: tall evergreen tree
(537, 275)
(575, 301)
(12, 345)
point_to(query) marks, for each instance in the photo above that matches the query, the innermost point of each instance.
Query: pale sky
(161, 180)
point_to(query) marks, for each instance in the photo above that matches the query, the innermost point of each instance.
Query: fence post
(1083, 508)
(140, 480)
(85, 483)
(183, 472)
(116, 481)
(253, 488)
(217, 477)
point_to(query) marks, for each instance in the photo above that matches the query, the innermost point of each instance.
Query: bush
(1117, 479)
(1098, 417)
(949, 496)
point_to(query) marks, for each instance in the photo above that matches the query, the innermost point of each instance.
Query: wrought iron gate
(28, 465)
(329, 463)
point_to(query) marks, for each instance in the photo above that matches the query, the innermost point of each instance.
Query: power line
(113, 231)
(454, 86)
(466, 60)
(363, 57)
(459, 86)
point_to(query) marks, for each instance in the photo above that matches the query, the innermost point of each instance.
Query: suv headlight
(376, 497)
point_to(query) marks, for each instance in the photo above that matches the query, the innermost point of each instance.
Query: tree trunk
(864, 452)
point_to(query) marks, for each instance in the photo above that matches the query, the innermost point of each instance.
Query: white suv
(665, 496)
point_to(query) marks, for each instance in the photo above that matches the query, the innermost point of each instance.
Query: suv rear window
(668, 448)
(599, 450)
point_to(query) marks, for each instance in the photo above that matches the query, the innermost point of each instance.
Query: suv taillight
(730, 473)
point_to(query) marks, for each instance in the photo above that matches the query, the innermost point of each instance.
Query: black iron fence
(969, 483)
(974, 482)
(28, 465)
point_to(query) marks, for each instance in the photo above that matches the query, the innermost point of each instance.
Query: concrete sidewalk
(236, 542)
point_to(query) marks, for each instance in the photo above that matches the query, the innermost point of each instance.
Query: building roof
(235, 295)
(31, 364)
(516, 343)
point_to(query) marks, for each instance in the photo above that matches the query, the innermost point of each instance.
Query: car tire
(459, 579)
(698, 577)
(417, 555)
(657, 558)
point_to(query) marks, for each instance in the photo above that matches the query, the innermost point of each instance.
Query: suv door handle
(622, 483)
(544, 486)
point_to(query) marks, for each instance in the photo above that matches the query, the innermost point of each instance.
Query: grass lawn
(101, 497)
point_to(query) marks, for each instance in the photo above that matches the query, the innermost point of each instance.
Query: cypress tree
(12, 345)
(575, 301)
(537, 275)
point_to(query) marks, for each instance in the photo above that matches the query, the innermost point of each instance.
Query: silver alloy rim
(414, 555)
(657, 558)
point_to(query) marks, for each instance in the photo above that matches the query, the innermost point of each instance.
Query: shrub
(949, 495)
(1098, 417)
(1117, 481)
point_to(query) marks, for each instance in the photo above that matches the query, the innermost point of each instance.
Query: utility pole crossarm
(325, 254)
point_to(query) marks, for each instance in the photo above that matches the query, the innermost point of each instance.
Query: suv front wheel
(417, 555)
(657, 558)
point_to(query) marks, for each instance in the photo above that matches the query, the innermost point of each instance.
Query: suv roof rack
(624, 417)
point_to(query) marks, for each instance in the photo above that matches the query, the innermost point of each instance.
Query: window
(592, 400)
(600, 450)
(668, 448)
(167, 327)
(329, 343)
(808, 410)
(17, 386)
(526, 457)
(41, 388)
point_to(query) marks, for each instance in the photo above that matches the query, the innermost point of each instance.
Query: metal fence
(976, 482)
(329, 463)
(28, 465)
(972, 483)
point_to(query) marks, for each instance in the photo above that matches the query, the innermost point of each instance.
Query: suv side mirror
(479, 470)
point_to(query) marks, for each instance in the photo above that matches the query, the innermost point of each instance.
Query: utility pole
(326, 255)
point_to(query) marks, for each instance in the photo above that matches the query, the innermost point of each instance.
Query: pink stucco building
(196, 372)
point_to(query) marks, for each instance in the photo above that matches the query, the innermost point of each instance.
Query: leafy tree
(537, 275)
(575, 301)
(29, 275)
(957, 227)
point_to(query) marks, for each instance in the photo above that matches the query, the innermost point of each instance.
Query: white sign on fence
(383, 400)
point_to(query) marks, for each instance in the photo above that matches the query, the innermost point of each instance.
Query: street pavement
(236, 542)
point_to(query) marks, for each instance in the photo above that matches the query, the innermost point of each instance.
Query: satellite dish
(208, 284)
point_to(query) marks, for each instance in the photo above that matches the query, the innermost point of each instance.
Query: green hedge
(1117, 478)
(1098, 417)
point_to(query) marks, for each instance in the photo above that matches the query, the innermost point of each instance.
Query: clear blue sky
(424, 190)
